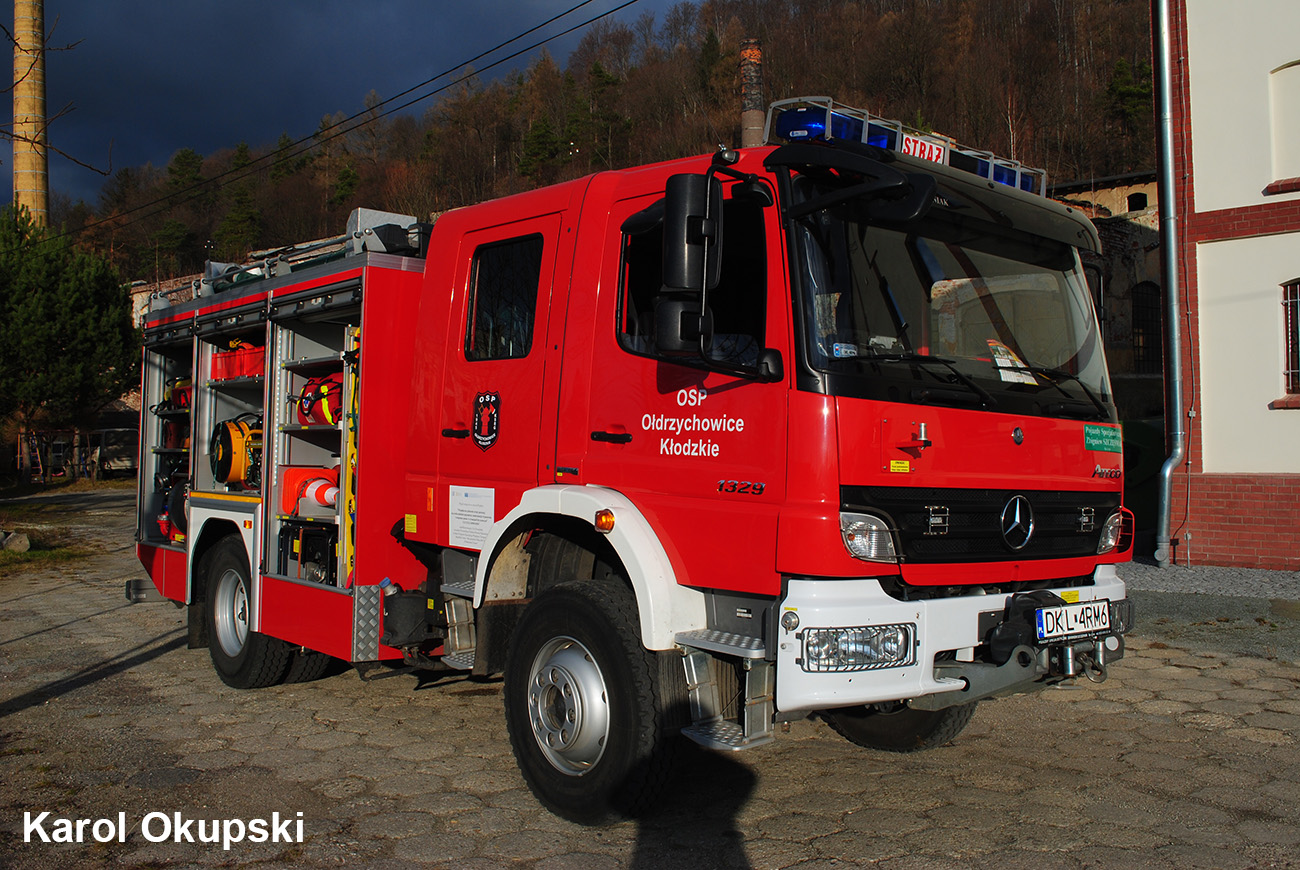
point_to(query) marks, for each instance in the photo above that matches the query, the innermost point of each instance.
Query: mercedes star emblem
(1017, 522)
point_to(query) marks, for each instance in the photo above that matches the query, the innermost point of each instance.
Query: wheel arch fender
(205, 538)
(664, 607)
(205, 535)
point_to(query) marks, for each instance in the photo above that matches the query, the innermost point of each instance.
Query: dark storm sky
(148, 77)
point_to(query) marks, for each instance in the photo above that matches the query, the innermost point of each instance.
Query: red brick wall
(1245, 520)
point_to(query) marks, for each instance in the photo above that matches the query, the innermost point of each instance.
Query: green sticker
(1104, 438)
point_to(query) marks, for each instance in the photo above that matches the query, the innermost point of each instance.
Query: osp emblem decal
(487, 419)
(1017, 522)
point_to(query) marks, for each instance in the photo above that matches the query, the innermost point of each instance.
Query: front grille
(973, 521)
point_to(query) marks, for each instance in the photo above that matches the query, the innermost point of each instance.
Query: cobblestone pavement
(1186, 757)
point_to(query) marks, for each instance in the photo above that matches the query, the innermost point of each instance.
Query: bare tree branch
(7, 133)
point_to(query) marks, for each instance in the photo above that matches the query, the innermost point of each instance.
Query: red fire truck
(698, 448)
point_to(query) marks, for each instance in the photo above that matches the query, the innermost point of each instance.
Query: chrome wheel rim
(568, 706)
(231, 613)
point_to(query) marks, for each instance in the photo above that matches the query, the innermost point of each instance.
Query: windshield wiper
(986, 399)
(1050, 373)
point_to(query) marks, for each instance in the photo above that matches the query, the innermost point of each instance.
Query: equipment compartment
(308, 551)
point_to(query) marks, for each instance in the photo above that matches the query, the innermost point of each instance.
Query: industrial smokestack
(751, 93)
(31, 165)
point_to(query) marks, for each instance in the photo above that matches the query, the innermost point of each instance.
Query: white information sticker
(469, 512)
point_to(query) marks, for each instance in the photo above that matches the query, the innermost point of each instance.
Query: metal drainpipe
(1174, 418)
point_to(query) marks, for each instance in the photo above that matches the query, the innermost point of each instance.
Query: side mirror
(692, 232)
(678, 325)
(769, 366)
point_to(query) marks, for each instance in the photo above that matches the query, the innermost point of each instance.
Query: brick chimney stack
(752, 113)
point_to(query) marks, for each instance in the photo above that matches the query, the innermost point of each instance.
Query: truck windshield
(949, 308)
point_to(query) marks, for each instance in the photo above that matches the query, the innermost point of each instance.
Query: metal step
(721, 734)
(722, 642)
(460, 661)
(463, 589)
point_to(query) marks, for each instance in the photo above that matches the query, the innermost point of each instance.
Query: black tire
(243, 658)
(307, 665)
(590, 711)
(901, 728)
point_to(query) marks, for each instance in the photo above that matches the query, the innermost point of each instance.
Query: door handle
(455, 433)
(611, 437)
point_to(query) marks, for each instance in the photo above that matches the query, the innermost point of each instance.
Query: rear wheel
(243, 658)
(307, 665)
(899, 728)
(584, 704)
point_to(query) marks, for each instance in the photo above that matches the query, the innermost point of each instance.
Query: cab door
(496, 377)
(700, 451)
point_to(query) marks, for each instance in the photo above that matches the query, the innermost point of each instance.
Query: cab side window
(738, 304)
(504, 280)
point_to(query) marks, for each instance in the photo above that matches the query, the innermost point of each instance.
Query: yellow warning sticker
(900, 465)
(1070, 596)
(409, 524)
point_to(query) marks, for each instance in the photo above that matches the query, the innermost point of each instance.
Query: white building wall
(1241, 355)
(1237, 52)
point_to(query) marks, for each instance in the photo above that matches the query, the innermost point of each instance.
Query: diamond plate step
(722, 642)
(460, 661)
(462, 590)
(721, 734)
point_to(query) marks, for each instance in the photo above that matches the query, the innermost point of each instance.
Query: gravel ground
(1145, 575)
(1245, 611)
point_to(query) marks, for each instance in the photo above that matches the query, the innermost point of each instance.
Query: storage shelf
(171, 451)
(342, 590)
(321, 363)
(229, 383)
(172, 412)
(307, 518)
(311, 429)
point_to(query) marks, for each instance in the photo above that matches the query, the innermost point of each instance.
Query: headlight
(867, 537)
(1110, 533)
(857, 649)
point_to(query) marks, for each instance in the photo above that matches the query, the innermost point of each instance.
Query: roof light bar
(805, 118)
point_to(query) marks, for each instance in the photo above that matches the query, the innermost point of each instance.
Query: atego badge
(487, 419)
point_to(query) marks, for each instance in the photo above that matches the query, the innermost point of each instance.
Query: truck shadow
(132, 658)
(694, 824)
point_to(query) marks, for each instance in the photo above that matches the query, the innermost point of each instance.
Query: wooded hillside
(1059, 84)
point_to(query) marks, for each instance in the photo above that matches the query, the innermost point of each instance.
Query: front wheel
(899, 728)
(584, 704)
(243, 658)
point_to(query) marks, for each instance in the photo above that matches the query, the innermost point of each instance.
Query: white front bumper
(941, 624)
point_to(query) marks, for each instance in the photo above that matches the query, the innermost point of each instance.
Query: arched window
(1284, 94)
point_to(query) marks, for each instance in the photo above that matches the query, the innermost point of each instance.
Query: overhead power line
(346, 125)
